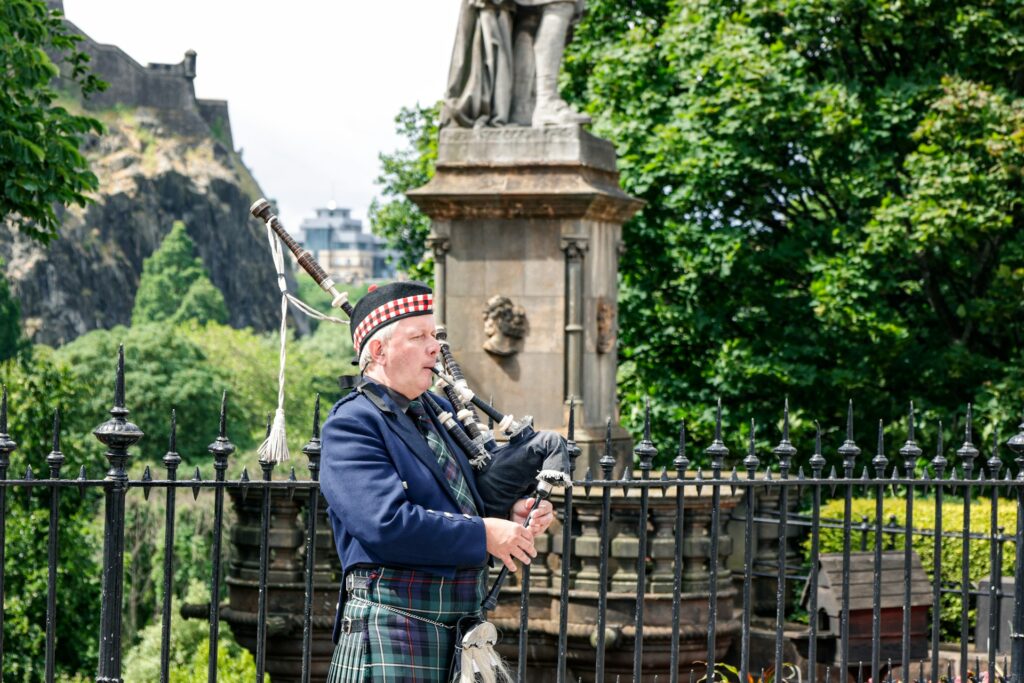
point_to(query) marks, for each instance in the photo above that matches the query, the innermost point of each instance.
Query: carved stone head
(505, 326)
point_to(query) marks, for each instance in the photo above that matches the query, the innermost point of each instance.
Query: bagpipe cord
(275, 447)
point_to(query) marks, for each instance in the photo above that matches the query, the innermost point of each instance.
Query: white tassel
(479, 657)
(275, 447)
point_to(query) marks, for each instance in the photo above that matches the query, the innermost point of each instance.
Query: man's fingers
(509, 563)
(521, 555)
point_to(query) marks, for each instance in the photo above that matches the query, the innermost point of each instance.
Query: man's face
(409, 357)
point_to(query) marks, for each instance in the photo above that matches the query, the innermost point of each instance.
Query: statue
(504, 326)
(505, 64)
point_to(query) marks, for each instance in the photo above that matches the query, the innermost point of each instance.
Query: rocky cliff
(157, 162)
(149, 177)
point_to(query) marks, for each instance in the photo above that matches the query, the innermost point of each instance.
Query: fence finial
(752, 462)
(119, 379)
(817, 460)
(312, 448)
(171, 458)
(880, 461)
(1016, 444)
(785, 450)
(222, 447)
(995, 463)
(849, 450)
(717, 451)
(910, 451)
(55, 459)
(939, 461)
(681, 462)
(967, 452)
(570, 432)
(645, 450)
(607, 462)
(7, 445)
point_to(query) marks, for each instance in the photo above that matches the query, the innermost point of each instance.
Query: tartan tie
(452, 472)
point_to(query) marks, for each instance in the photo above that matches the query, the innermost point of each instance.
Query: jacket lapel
(402, 425)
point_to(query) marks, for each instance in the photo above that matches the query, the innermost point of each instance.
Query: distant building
(338, 243)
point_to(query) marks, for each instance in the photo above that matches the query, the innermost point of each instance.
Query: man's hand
(542, 518)
(507, 540)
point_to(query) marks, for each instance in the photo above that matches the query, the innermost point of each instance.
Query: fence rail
(640, 579)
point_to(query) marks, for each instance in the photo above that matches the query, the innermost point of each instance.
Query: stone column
(535, 215)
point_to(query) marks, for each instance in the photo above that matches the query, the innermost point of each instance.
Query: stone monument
(527, 227)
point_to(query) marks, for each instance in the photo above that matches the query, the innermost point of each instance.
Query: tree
(174, 285)
(10, 315)
(396, 219)
(38, 384)
(834, 204)
(40, 162)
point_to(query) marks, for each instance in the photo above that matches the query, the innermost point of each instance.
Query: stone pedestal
(534, 215)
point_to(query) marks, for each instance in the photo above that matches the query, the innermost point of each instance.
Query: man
(404, 505)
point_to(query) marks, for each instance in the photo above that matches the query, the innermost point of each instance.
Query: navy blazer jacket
(388, 500)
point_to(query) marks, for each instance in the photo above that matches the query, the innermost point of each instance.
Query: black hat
(383, 305)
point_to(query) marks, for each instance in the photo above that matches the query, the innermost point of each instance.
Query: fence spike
(172, 459)
(588, 479)
(939, 462)
(1016, 444)
(817, 461)
(291, 489)
(645, 450)
(768, 474)
(7, 445)
(147, 478)
(864, 474)
(910, 451)
(967, 452)
(607, 462)
(717, 451)
(29, 476)
(55, 459)
(81, 480)
(681, 462)
(734, 477)
(752, 462)
(700, 480)
(800, 473)
(879, 462)
(198, 478)
(244, 481)
(849, 450)
(119, 378)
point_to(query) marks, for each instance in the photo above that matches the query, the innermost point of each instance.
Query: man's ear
(377, 351)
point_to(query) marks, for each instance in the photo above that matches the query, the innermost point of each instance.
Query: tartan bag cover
(406, 624)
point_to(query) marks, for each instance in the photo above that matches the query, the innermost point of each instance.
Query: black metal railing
(635, 582)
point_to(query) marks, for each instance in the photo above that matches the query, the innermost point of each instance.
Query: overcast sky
(313, 87)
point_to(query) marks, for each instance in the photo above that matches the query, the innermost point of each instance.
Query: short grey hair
(383, 335)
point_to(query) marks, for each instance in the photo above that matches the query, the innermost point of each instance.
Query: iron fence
(635, 581)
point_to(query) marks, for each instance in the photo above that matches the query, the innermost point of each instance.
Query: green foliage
(189, 650)
(894, 513)
(396, 219)
(313, 366)
(175, 287)
(11, 340)
(40, 162)
(833, 204)
(37, 385)
(164, 370)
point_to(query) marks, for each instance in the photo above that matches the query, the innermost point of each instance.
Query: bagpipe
(524, 463)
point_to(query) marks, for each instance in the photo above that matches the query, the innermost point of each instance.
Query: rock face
(153, 170)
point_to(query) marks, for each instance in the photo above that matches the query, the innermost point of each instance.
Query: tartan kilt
(398, 643)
